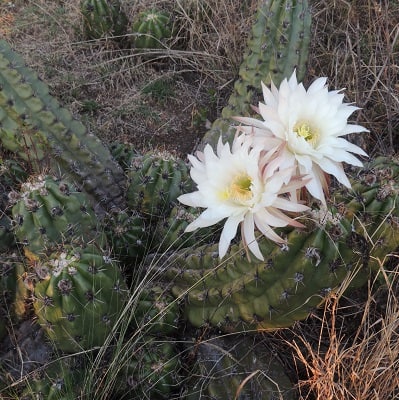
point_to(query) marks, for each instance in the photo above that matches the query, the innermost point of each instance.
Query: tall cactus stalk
(34, 125)
(279, 43)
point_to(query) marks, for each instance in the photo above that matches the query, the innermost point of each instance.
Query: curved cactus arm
(244, 294)
(279, 44)
(34, 125)
(349, 238)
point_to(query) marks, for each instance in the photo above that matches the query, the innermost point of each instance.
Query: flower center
(239, 189)
(304, 130)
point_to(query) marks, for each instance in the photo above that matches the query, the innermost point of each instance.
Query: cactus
(33, 125)
(152, 370)
(13, 292)
(157, 312)
(279, 43)
(11, 175)
(49, 212)
(338, 241)
(374, 196)
(103, 18)
(7, 239)
(79, 297)
(59, 379)
(123, 154)
(223, 365)
(155, 182)
(127, 235)
(169, 231)
(150, 28)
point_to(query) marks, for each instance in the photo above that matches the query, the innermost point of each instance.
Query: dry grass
(362, 365)
(351, 351)
(356, 44)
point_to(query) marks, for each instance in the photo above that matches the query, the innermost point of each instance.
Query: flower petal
(228, 233)
(248, 235)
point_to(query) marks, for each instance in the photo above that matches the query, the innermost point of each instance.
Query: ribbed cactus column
(79, 296)
(49, 212)
(13, 292)
(102, 18)
(34, 125)
(279, 44)
(155, 182)
(346, 238)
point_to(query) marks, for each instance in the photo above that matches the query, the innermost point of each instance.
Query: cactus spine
(279, 43)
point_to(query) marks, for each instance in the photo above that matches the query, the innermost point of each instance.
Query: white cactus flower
(310, 124)
(239, 185)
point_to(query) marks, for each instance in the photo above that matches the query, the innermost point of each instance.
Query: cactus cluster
(70, 237)
(103, 19)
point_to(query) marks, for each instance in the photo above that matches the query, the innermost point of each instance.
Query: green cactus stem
(79, 297)
(224, 363)
(50, 212)
(279, 44)
(103, 18)
(373, 206)
(150, 29)
(151, 371)
(59, 379)
(238, 294)
(13, 292)
(169, 231)
(128, 236)
(12, 174)
(157, 312)
(39, 130)
(155, 182)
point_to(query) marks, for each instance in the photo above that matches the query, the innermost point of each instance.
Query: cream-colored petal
(228, 233)
(248, 235)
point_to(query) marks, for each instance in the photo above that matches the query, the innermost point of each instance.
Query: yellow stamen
(239, 189)
(310, 134)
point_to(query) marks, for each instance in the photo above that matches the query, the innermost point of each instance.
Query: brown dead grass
(356, 367)
(356, 45)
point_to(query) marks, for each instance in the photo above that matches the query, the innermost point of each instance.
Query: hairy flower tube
(238, 184)
(310, 124)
